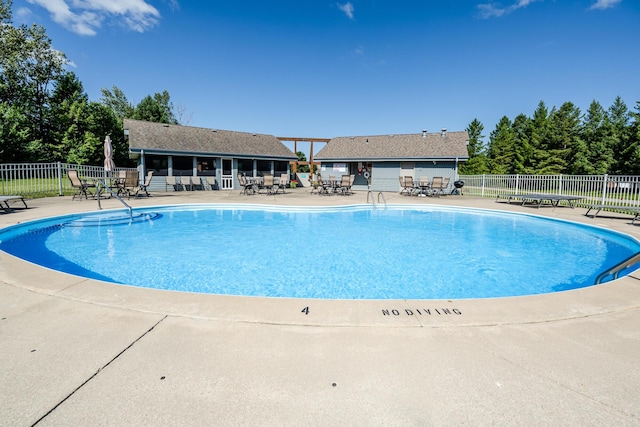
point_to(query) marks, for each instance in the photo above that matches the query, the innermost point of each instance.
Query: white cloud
(604, 4)
(23, 15)
(489, 10)
(84, 17)
(347, 8)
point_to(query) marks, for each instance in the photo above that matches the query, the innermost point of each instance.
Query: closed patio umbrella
(109, 165)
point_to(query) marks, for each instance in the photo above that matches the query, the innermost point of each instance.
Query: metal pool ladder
(369, 193)
(104, 185)
(615, 271)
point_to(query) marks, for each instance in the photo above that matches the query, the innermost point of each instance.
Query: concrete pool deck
(84, 352)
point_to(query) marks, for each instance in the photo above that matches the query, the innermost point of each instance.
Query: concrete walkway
(82, 352)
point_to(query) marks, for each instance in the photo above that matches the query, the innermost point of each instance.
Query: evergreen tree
(522, 150)
(538, 134)
(619, 119)
(477, 163)
(501, 148)
(595, 132)
(561, 144)
(631, 154)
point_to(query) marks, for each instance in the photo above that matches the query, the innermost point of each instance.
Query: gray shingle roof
(440, 145)
(188, 140)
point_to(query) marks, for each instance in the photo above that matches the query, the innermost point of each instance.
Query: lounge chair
(4, 202)
(82, 187)
(210, 182)
(170, 181)
(185, 182)
(143, 187)
(194, 182)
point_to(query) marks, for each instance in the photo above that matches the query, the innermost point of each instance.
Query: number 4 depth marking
(305, 310)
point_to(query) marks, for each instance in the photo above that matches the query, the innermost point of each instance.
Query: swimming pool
(349, 252)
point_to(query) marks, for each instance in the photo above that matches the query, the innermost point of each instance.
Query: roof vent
(444, 132)
(165, 125)
(424, 133)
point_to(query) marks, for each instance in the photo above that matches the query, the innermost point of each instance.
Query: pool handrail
(373, 201)
(615, 270)
(104, 185)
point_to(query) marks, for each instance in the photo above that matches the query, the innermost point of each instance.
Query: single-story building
(378, 161)
(174, 150)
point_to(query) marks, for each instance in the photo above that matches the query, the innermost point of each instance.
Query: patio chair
(436, 185)
(117, 180)
(143, 186)
(267, 184)
(425, 186)
(345, 185)
(313, 180)
(81, 187)
(444, 185)
(282, 183)
(324, 186)
(130, 184)
(403, 188)
(409, 185)
(247, 186)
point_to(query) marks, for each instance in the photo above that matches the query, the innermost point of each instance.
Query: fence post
(59, 179)
(517, 190)
(483, 176)
(560, 184)
(604, 187)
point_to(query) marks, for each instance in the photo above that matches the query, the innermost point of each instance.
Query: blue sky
(309, 68)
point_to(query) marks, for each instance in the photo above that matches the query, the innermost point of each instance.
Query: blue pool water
(355, 252)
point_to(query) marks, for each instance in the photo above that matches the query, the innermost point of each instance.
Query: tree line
(45, 114)
(559, 141)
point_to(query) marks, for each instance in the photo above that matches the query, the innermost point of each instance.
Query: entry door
(227, 174)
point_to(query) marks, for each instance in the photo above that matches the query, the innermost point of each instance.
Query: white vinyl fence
(50, 179)
(44, 179)
(614, 190)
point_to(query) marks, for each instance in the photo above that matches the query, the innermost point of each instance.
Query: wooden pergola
(295, 140)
